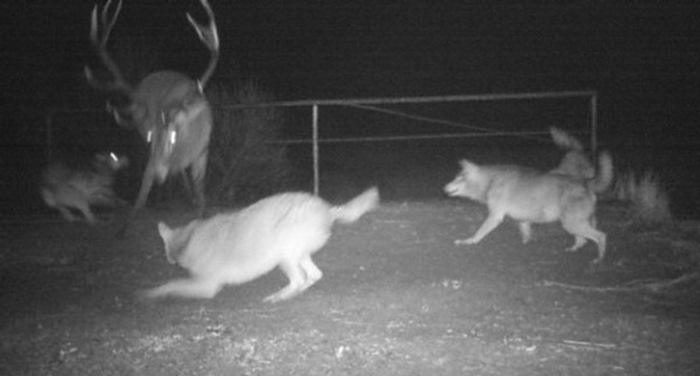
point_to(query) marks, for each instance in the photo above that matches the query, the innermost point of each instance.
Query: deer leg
(146, 184)
(188, 185)
(198, 171)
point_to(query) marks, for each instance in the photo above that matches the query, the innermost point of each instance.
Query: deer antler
(209, 36)
(100, 43)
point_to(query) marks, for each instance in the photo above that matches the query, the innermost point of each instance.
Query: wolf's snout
(449, 190)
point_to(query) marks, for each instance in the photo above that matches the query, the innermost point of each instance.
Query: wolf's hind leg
(295, 273)
(188, 288)
(584, 230)
(579, 241)
(313, 273)
(525, 231)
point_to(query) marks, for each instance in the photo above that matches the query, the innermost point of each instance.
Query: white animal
(283, 231)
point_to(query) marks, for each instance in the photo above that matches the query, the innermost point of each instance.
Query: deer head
(167, 108)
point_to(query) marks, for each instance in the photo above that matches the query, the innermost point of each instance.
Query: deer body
(167, 108)
(156, 92)
(180, 147)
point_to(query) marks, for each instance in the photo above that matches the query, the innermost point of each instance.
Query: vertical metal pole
(49, 136)
(594, 124)
(314, 136)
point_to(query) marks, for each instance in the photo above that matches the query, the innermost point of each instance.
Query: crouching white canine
(233, 248)
(530, 196)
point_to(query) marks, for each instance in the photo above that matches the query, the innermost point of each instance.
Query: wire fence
(375, 105)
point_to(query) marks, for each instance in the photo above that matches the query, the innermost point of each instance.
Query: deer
(167, 108)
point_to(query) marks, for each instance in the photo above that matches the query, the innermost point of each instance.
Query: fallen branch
(651, 284)
(664, 284)
(586, 288)
(607, 346)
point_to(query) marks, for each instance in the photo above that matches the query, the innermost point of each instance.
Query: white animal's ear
(165, 232)
(468, 167)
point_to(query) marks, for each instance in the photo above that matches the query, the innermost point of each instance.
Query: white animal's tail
(564, 140)
(604, 176)
(355, 208)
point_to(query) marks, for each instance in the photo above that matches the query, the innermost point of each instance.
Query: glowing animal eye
(113, 156)
(173, 137)
(149, 136)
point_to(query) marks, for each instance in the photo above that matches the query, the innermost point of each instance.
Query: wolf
(282, 230)
(576, 161)
(530, 196)
(64, 187)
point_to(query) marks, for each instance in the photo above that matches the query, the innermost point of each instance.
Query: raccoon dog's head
(175, 240)
(469, 183)
(110, 162)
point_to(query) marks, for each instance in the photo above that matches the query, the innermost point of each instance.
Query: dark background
(641, 57)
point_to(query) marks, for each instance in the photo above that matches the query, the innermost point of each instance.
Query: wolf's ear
(468, 167)
(164, 231)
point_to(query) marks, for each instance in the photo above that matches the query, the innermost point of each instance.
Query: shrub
(648, 199)
(245, 162)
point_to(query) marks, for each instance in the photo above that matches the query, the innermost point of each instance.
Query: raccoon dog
(529, 196)
(575, 162)
(65, 188)
(233, 248)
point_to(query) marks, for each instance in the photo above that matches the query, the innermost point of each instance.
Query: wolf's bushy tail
(564, 140)
(604, 176)
(355, 208)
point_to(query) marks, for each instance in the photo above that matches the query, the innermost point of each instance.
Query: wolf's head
(175, 240)
(470, 182)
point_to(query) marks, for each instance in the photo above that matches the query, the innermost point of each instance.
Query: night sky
(641, 58)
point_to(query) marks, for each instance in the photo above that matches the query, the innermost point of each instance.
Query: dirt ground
(397, 298)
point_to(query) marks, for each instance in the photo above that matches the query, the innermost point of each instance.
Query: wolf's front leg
(186, 288)
(491, 222)
(67, 215)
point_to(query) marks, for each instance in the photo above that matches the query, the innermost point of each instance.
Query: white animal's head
(173, 248)
(176, 241)
(470, 182)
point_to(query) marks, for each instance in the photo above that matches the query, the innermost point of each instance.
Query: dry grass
(646, 195)
(397, 298)
(244, 161)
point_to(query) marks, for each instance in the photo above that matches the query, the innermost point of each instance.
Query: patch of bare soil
(397, 298)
